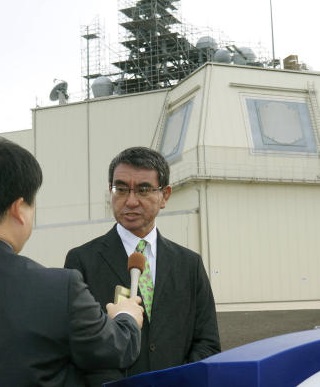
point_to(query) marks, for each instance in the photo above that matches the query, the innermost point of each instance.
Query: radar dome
(244, 56)
(222, 56)
(102, 87)
(207, 42)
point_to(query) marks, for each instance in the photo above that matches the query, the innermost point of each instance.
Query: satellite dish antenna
(59, 92)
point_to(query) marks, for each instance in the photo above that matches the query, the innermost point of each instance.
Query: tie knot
(141, 246)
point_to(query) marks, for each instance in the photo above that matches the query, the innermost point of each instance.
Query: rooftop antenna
(272, 37)
(59, 92)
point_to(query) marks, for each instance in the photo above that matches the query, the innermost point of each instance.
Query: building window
(175, 131)
(281, 125)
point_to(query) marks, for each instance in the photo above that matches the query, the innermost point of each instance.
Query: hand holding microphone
(129, 306)
(136, 264)
(124, 304)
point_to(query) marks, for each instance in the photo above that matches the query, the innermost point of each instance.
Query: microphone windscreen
(137, 261)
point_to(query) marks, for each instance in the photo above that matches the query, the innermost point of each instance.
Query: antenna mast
(272, 37)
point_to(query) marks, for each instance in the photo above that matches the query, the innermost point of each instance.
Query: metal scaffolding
(93, 53)
(156, 49)
(157, 52)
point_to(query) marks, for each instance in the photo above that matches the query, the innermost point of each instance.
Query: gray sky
(40, 41)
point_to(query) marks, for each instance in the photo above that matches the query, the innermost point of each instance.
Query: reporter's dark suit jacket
(51, 328)
(183, 324)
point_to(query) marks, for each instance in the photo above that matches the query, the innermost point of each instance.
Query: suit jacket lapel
(115, 256)
(165, 255)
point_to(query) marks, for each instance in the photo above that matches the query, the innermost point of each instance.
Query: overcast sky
(41, 41)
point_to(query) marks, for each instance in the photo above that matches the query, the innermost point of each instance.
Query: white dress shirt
(130, 242)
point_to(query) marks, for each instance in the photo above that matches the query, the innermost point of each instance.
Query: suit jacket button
(152, 347)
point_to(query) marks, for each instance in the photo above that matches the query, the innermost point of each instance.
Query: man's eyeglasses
(141, 191)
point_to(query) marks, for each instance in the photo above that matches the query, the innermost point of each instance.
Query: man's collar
(6, 244)
(128, 235)
(130, 240)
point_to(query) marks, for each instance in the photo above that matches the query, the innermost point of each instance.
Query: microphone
(136, 262)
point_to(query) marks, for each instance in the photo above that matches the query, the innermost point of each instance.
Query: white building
(243, 145)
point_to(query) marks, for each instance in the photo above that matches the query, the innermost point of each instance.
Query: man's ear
(16, 210)
(165, 196)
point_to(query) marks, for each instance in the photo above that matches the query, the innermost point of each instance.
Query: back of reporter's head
(20, 175)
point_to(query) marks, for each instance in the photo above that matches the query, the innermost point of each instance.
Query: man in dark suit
(183, 325)
(52, 330)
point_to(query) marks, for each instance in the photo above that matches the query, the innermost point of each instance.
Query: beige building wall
(253, 216)
(264, 240)
(74, 144)
(23, 137)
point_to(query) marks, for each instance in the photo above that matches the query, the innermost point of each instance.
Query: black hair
(142, 157)
(20, 175)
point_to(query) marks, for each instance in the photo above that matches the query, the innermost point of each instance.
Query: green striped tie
(145, 281)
